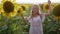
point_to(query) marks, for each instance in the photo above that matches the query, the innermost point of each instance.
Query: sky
(36, 1)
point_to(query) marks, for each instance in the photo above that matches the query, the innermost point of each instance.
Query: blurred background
(11, 20)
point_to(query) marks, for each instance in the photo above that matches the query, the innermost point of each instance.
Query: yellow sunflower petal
(12, 13)
(8, 15)
(56, 17)
(20, 11)
(44, 7)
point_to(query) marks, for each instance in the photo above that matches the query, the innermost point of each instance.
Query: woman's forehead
(35, 6)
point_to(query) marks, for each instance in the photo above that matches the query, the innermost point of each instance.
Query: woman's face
(35, 9)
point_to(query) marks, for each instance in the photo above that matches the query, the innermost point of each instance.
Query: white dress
(36, 25)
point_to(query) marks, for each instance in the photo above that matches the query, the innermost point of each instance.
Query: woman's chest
(36, 20)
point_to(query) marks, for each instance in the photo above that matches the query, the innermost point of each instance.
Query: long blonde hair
(36, 11)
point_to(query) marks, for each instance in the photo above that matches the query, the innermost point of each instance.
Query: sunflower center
(56, 10)
(8, 6)
(47, 7)
(23, 8)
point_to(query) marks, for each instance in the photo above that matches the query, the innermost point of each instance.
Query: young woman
(35, 20)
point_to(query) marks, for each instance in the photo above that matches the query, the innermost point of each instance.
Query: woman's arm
(47, 14)
(24, 19)
(43, 15)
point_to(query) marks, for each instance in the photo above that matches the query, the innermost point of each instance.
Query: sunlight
(35, 1)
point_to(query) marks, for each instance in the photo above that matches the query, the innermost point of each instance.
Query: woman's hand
(24, 19)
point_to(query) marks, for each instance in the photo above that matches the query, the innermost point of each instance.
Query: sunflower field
(11, 21)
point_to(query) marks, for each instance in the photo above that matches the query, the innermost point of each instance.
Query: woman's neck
(35, 15)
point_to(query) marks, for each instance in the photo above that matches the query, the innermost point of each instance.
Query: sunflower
(41, 6)
(56, 11)
(9, 8)
(0, 8)
(22, 8)
(54, 5)
(45, 7)
(8, 0)
(20, 11)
